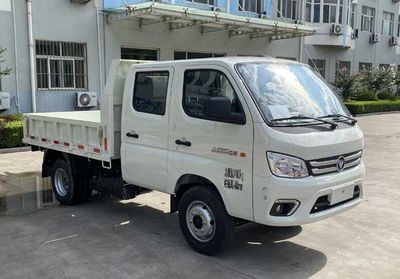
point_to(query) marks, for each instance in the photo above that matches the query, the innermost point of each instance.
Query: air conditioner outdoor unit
(86, 99)
(375, 38)
(218, 9)
(4, 100)
(394, 41)
(336, 29)
(263, 15)
(354, 35)
(80, 2)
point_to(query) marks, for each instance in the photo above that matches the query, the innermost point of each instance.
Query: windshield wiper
(333, 125)
(352, 120)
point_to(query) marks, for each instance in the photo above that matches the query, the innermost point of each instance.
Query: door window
(150, 92)
(200, 85)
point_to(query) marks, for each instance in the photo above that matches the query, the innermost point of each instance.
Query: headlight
(286, 166)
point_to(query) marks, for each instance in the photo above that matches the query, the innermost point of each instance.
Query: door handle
(132, 135)
(183, 142)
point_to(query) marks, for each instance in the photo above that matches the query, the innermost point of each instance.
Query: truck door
(145, 128)
(203, 144)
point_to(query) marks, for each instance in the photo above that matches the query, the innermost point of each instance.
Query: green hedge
(11, 131)
(360, 107)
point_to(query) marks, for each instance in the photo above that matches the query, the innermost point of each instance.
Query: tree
(6, 71)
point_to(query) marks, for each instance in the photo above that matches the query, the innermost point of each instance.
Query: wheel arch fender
(188, 180)
(50, 156)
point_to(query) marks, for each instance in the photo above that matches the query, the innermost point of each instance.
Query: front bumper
(307, 191)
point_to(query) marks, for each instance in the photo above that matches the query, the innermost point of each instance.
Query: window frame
(166, 96)
(258, 7)
(390, 21)
(295, 9)
(319, 5)
(157, 52)
(59, 56)
(314, 66)
(342, 64)
(398, 25)
(210, 118)
(364, 66)
(371, 18)
(211, 54)
(353, 16)
(208, 2)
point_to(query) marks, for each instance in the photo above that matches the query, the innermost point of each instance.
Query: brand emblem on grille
(340, 163)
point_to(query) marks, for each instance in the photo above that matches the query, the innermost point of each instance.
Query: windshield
(285, 91)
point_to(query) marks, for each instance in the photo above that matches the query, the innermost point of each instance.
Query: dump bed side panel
(66, 133)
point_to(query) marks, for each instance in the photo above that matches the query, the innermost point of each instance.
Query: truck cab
(236, 139)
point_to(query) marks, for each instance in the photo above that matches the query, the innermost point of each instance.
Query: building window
(61, 65)
(343, 67)
(363, 66)
(207, 2)
(385, 66)
(367, 19)
(353, 16)
(387, 23)
(150, 92)
(326, 11)
(308, 10)
(180, 55)
(319, 65)
(288, 8)
(139, 54)
(398, 26)
(253, 6)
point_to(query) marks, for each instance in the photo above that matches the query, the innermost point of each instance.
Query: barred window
(61, 65)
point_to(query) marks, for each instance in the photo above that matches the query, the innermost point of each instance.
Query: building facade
(74, 41)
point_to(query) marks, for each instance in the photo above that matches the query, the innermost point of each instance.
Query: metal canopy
(178, 17)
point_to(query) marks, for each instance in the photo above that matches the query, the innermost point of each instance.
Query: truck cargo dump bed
(76, 132)
(94, 134)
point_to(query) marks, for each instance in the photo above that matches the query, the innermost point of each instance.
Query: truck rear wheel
(67, 187)
(204, 222)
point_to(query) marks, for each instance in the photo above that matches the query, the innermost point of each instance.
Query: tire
(204, 221)
(63, 183)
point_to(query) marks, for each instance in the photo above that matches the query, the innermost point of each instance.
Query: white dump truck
(231, 140)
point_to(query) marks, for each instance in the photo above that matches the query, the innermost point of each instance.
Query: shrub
(363, 93)
(372, 106)
(11, 131)
(345, 83)
(386, 95)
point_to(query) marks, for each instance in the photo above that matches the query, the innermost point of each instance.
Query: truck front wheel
(204, 222)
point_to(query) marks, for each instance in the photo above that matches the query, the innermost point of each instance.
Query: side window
(200, 85)
(150, 92)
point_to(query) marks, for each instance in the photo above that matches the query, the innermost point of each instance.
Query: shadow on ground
(130, 239)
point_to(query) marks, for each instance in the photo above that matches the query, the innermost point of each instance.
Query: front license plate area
(341, 194)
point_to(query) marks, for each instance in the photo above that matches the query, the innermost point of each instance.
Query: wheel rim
(61, 182)
(200, 221)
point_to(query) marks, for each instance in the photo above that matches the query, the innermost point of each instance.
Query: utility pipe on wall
(31, 54)
(16, 58)
(101, 82)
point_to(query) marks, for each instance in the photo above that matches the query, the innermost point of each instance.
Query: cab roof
(228, 60)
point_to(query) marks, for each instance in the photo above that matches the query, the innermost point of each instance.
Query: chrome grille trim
(328, 165)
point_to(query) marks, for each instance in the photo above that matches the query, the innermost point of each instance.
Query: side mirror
(219, 109)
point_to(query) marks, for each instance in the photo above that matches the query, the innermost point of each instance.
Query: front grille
(329, 165)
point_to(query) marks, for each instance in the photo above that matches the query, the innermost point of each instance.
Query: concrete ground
(105, 238)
